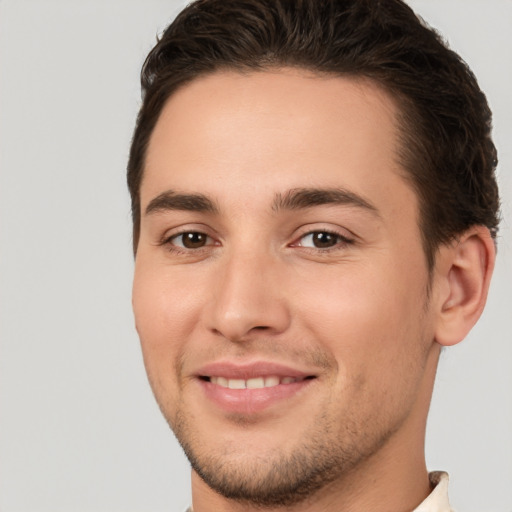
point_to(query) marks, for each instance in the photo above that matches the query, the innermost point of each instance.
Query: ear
(462, 275)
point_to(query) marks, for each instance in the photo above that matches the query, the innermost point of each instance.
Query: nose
(249, 297)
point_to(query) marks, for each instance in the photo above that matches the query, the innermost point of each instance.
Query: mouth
(252, 388)
(254, 382)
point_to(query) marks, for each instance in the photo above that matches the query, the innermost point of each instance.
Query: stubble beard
(280, 478)
(327, 456)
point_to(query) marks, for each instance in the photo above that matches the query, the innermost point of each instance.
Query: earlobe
(463, 272)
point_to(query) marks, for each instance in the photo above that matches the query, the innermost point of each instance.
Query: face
(280, 282)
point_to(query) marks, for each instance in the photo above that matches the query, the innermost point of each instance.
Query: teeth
(221, 381)
(271, 382)
(236, 384)
(254, 383)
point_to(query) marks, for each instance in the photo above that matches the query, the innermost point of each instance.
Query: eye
(190, 240)
(322, 240)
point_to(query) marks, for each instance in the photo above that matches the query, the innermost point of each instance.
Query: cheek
(164, 317)
(371, 319)
(164, 304)
(375, 335)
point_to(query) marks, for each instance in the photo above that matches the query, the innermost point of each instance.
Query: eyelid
(345, 235)
(177, 236)
(170, 234)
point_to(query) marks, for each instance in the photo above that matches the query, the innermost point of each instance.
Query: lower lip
(251, 401)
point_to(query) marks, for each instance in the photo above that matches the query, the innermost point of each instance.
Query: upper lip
(231, 370)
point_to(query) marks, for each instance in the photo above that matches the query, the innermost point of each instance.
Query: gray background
(79, 430)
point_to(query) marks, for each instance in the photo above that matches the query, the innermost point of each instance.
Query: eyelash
(171, 247)
(341, 243)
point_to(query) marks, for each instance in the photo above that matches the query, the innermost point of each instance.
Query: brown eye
(191, 240)
(323, 240)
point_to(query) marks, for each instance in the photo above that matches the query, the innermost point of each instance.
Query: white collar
(437, 500)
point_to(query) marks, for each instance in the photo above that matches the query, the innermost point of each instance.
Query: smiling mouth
(253, 388)
(254, 382)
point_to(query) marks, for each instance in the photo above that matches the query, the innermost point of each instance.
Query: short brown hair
(445, 121)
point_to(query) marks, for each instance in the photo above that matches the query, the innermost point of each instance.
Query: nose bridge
(247, 294)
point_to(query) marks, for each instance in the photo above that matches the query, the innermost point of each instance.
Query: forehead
(261, 132)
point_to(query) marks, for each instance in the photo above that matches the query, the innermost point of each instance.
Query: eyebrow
(294, 199)
(302, 198)
(170, 200)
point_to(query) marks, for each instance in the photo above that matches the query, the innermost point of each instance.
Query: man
(315, 209)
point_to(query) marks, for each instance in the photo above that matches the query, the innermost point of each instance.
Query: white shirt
(437, 500)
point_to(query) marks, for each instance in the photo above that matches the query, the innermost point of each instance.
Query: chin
(282, 474)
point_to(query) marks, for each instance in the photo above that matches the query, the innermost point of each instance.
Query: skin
(353, 313)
